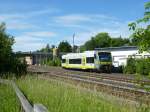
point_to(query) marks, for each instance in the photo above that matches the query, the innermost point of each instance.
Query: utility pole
(73, 43)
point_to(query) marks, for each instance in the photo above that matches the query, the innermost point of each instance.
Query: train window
(104, 56)
(138, 56)
(89, 59)
(146, 56)
(74, 61)
(95, 56)
(63, 60)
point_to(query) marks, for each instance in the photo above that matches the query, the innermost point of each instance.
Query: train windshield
(104, 56)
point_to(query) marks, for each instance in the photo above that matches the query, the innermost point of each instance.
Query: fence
(27, 107)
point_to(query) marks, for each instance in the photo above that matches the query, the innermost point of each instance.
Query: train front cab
(63, 63)
(103, 61)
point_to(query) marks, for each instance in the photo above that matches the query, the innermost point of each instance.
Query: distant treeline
(101, 40)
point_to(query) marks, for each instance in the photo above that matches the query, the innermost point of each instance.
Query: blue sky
(34, 23)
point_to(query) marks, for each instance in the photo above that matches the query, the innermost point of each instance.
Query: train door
(67, 63)
(96, 61)
(83, 62)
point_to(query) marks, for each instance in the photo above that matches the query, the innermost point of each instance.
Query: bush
(139, 66)
(143, 66)
(19, 68)
(130, 68)
(52, 62)
(13, 66)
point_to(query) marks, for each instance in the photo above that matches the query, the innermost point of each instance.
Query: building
(34, 58)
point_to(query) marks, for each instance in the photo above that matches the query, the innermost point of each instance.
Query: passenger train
(88, 60)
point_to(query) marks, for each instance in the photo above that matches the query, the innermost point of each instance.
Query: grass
(60, 97)
(8, 99)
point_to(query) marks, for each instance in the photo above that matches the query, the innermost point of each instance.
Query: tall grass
(59, 97)
(8, 99)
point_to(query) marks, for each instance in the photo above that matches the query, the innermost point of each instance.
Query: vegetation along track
(116, 84)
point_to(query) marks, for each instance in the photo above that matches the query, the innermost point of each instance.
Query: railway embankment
(116, 84)
(58, 96)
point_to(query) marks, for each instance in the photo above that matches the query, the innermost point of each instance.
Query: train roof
(123, 48)
(79, 55)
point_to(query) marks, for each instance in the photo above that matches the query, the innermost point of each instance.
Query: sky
(35, 23)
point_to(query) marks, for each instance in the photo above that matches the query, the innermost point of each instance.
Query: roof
(123, 48)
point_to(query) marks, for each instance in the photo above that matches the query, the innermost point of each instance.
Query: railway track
(118, 85)
(102, 76)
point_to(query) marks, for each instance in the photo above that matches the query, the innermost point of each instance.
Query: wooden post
(39, 108)
(26, 106)
(24, 102)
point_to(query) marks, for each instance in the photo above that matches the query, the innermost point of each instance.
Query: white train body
(87, 60)
(82, 56)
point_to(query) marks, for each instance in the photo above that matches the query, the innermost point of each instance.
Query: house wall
(28, 60)
(120, 57)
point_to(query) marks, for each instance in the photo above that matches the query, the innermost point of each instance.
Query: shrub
(19, 68)
(52, 62)
(142, 66)
(130, 67)
(13, 66)
(139, 66)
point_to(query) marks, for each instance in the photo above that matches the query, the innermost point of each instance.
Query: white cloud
(21, 21)
(28, 46)
(19, 26)
(41, 12)
(31, 41)
(16, 22)
(26, 39)
(71, 19)
(75, 20)
(41, 34)
(120, 29)
(6, 17)
(27, 43)
(87, 25)
(25, 15)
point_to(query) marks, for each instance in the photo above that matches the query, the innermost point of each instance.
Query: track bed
(116, 84)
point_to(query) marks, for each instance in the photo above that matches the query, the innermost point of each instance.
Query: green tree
(99, 41)
(8, 61)
(117, 42)
(64, 46)
(140, 34)
(134, 41)
(102, 40)
(47, 49)
(90, 45)
(82, 48)
(53, 46)
(6, 41)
